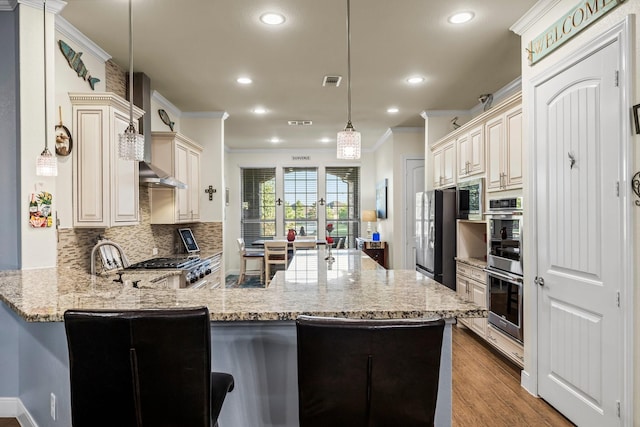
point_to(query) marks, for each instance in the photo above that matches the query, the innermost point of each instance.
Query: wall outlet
(52, 404)
(154, 251)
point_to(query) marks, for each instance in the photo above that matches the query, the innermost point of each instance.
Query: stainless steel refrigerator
(436, 235)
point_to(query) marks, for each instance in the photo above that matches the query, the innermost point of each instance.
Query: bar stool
(368, 372)
(143, 367)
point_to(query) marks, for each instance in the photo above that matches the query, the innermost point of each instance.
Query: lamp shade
(348, 144)
(369, 216)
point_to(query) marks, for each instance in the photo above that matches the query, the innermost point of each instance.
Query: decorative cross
(210, 191)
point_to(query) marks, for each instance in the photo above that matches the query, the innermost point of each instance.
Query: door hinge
(617, 78)
(618, 189)
(618, 298)
(618, 406)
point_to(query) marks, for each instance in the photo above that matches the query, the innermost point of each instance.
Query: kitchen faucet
(105, 257)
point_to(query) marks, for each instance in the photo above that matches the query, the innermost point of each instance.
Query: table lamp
(369, 216)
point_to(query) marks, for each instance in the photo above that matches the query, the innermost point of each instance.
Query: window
(258, 189)
(300, 200)
(342, 208)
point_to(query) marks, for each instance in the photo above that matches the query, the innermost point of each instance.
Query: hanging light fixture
(131, 143)
(47, 163)
(348, 139)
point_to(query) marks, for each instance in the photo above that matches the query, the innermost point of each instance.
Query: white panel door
(578, 143)
(414, 183)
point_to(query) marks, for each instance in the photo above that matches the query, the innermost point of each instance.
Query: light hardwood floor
(487, 391)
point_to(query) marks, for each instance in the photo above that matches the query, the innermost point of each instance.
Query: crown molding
(442, 113)
(206, 115)
(53, 6)
(533, 15)
(501, 94)
(8, 5)
(168, 105)
(65, 28)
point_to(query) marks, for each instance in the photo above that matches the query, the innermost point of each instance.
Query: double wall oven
(504, 266)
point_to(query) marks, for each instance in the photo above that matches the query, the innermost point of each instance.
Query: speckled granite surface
(354, 287)
(474, 262)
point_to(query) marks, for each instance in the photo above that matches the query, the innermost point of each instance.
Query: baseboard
(526, 382)
(12, 407)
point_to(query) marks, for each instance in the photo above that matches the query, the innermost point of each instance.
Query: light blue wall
(9, 137)
(8, 352)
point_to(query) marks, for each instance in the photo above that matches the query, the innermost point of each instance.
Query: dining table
(260, 242)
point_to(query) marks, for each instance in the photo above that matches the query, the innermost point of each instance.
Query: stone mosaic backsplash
(137, 241)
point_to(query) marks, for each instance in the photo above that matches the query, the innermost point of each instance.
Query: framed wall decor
(381, 199)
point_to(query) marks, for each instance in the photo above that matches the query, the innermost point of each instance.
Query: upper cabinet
(470, 147)
(179, 156)
(444, 164)
(504, 150)
(105, 187)
(490, 146)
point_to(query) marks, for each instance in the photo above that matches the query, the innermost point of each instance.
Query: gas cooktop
(168, 262)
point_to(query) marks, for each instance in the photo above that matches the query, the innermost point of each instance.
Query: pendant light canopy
(348, 139)
(131, 143)
(47, 163)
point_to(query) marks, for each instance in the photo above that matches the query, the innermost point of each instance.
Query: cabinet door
(478, 294)
(449, 164)
(494, 133)
(124, 179)
(513, 144)
(194, 184)
(437, 168)
(183, 210)
(91, 193)
(464, 161)
(476, 150)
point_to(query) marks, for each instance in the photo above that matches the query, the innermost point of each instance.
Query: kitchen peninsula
(253, 333)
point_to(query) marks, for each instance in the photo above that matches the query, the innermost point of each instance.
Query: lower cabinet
(471, 285)
(510, 348)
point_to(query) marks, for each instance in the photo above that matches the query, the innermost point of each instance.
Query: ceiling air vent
(300, 122)
(331, 81)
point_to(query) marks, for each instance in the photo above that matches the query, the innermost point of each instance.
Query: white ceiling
(193, 51)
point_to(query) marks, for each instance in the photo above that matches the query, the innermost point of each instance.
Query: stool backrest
(368, 372)
(139, 367)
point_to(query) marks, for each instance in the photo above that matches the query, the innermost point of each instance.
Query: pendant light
(348, 139)
(47, 163)
(131, 143)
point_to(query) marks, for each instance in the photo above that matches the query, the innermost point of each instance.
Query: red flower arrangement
(329, 230)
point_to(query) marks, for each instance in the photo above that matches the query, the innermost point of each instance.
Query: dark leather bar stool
(368, 373)
(143, 368)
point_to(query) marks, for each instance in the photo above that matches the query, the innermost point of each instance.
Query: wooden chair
(143, 368)
(304, 244)
(249, 255)
(276, 252)
(368, 372)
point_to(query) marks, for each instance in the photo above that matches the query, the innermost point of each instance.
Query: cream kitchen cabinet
(179, 156)
(504, 150)
(471, 285)
(444, 164)
(470, 150)
(105, 187)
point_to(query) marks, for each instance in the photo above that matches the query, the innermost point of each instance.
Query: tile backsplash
(137, 241)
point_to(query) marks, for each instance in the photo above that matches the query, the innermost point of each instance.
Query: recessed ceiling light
(244, 80)
(271, 18)
(461, 17)
(259, 110)
(325, 140)
(274, 140)
(392, 110)
(415, 80)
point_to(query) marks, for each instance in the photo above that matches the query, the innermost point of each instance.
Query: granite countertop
(355, 286)
(474, 262)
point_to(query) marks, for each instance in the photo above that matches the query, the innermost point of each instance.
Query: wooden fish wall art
(76, 64)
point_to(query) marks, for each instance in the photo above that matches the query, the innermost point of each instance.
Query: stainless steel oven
(504, 265)
(505, 302)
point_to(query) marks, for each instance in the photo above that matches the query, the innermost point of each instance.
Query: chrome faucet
(123, 259)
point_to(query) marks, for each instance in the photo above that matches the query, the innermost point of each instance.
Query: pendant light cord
(349, 61)
(44, 27)
(130, 65)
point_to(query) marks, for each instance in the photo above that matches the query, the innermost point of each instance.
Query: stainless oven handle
(504, 276)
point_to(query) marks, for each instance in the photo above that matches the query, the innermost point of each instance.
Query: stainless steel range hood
(153, 177)
(150, 175)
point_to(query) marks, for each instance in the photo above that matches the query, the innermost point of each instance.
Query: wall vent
(331, 81)
(300, 122)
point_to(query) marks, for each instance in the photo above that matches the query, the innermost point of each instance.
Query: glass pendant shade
(131, 144)
(348, 143)
(47, 164)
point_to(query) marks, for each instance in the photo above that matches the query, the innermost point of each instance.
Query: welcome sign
(577, 19)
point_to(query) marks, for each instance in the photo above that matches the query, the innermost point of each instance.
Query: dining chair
(276, 252)
(247, 255)
(143, 367)
(377, 373)
(303, 244)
